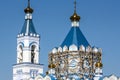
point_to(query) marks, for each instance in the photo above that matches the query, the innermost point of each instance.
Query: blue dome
(76, 37)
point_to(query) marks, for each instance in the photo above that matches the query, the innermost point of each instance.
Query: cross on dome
(75, 6)
(28, 9)
(75, 18)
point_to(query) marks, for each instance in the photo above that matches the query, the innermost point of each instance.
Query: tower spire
(28, 27)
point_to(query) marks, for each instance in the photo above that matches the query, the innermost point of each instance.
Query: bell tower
(28, 48)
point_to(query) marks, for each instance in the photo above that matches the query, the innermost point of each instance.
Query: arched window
(20, 54)
(32, 53)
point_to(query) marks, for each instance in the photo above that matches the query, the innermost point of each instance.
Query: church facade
(74, 59)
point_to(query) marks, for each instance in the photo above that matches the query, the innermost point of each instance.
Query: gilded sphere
(99, 64)
(28, 10)
(51, 66)
(75, 17)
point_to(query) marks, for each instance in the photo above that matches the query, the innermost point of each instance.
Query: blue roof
(52, 77)
(42, 75)
(28, 27)
(76, 37)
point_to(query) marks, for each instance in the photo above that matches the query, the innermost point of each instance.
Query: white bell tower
(28, 48)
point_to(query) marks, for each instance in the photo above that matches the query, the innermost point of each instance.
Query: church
(74, 59)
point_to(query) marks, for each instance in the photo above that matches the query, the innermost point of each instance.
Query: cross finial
(28, 9)
(28, 3)
(75, 6)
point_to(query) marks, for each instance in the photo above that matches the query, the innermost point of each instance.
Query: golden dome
(28, 10)
(75, 17)
(51, 65)
(47, 73)
(99, 64)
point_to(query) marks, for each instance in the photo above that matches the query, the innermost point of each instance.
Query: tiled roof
(28, 27)
(76, 37)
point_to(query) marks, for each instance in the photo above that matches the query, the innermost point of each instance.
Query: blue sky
(100, 23)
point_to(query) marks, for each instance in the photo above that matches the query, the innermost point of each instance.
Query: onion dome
(75, 17)
(99, 65)
(51, 65)
(28, 9)
(47, 73)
